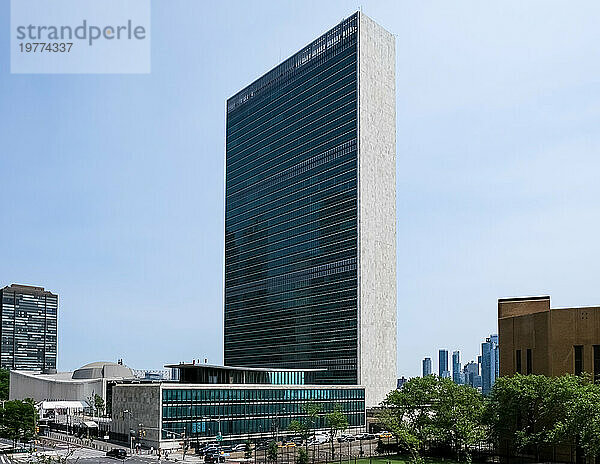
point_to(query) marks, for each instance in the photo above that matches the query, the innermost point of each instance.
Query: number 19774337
(40, 47)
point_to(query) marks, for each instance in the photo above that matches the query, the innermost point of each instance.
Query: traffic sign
(219, 437)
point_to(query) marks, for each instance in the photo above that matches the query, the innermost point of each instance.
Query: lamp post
(129, 437)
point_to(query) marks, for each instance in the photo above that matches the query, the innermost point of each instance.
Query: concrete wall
(377, 210)
(144, 403)
(570, 327)
(551, 334)
(40, 388)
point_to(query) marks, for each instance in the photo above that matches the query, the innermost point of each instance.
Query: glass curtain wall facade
(197, 373)
(205, 412)
(28, 331)
(291, 214)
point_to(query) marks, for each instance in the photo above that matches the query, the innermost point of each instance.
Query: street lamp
(129, 437)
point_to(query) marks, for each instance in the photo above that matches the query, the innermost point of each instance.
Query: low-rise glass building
(161, 414)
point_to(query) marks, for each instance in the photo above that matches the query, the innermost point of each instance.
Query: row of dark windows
(331, 195)
(312, 272)
(275, 152)
(263, 394)
(303, 142)
(310, 178)
(579, 364)
(348, 136)
(321, 51)
(331, 155)
(314, 301)
(303, 325)
(266, 203)
(326, 284)
(344, 220)
(252, 409)
(321, 244)
(269, 305)
(578, 361)
(313, 99)
(210, 427)
(322, 340)
(529, 362)
(274, 269)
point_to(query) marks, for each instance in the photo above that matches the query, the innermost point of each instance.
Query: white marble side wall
(377, 210)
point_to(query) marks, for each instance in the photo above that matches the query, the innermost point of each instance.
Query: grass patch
(399, 460)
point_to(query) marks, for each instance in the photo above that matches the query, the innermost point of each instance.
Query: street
(75, 453)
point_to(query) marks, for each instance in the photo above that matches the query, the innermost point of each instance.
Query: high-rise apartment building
(471, 372)
(443, 364)
(490, 368)
(28, 331)
(456, 368)
(310, 222)
(427, 369)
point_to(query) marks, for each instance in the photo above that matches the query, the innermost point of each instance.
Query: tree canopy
(17, 420)
(527, 414)
(531, 412)
(4, 383)
(433, 409)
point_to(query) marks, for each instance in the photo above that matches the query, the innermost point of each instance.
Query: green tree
(533, 412)
(336, 421)
(458, 417)
(4, 383)
(582, 424)
(302, 457)
(272, 451)
(17, 420)
(312, 410)
(407, 413)
(99, 404)
(433, 409)
(297, 427)
(248, 450)
(304, 428)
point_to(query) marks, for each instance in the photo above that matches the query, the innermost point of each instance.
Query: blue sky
(112, 185)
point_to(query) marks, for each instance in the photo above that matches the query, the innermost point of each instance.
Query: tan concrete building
(537, 339)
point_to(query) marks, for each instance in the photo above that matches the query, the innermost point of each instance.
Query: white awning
(46, 405)
(90, 424)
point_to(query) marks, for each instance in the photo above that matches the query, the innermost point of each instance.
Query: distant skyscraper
(489, 363)
(310, 215)
(471, 371)
(401, 382)
(443, 364)
(456, 368)
(28, 332)
(427, 370)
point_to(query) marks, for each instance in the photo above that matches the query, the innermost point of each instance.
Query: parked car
(240, 447)
(118, 453)
(318, 439)
(207, 450)
(214, 458)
